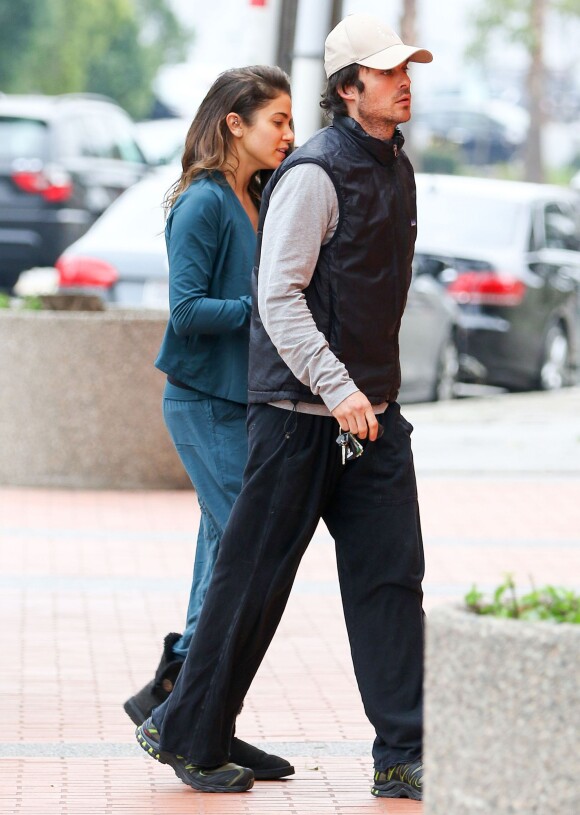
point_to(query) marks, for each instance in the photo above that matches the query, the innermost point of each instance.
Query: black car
(509, 254)
(63, 160)
(479, 137)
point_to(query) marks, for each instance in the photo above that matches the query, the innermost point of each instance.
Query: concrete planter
(80, 401)
(502, 715)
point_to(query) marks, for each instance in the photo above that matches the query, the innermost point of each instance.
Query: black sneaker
(227, 778)
(400, 781)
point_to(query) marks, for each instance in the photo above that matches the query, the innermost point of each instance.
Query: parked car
(509, 254)
(162, 140)
(63, 160)
(430, 339)
(123, 257)
(479, 134)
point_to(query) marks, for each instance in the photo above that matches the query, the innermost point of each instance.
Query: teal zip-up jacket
(210, 245)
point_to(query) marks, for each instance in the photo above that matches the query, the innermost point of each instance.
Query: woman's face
(264, 143)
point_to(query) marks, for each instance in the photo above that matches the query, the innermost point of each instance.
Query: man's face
(385, 101)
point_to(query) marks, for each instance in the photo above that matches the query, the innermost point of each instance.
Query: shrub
(550, 603)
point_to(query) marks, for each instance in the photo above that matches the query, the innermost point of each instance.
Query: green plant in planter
(29, 303)
(32, 303)
(52, 302)
(550, 603)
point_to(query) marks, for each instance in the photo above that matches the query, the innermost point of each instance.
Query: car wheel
(447, 371)
(554, 373)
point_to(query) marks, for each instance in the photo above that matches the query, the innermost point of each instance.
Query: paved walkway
(92, 581)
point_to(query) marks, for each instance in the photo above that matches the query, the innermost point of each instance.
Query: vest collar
(385, 151)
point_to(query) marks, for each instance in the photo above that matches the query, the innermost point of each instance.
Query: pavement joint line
(318, 539)
(483, 473)
(127, 750)
(431, 473)
(97, 534)
(129, 585)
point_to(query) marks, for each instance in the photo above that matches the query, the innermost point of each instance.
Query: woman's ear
(234, 124)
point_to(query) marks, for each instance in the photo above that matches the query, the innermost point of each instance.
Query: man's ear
(347, 92)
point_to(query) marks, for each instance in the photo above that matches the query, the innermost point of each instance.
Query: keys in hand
(350, 447)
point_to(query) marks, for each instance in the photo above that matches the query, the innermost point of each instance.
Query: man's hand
(355, 414)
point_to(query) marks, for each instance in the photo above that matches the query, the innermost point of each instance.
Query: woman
(242, 127)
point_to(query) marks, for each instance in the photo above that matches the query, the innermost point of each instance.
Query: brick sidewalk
(91, 582)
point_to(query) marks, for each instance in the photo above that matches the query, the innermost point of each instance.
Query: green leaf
(550, 604)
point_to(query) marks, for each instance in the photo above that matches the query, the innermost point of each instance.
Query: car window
(70, 136)
(122, 131)
(107, 134)
(536, 237)
(474, 220)
(96, 140)
(562, 227)
(22, 138)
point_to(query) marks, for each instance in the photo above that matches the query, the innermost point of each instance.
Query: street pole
(261, 21)
(408, 30)
(533, 167)
(313, 22)
(286, 33)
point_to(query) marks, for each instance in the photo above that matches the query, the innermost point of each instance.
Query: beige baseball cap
(365, 40)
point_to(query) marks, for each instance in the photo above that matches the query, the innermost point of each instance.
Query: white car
(162, 140)
(123, 257)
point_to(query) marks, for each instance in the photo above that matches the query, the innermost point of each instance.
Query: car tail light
(487, 289)
(83, 272)
(53, 185)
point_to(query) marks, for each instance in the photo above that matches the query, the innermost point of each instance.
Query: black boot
(139, 707)
(266, 766)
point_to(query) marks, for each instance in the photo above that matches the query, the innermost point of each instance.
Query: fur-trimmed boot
(139, 707)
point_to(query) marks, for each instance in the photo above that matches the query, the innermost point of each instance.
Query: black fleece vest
(359, 288)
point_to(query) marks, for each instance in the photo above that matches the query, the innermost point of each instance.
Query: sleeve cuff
(337, 395)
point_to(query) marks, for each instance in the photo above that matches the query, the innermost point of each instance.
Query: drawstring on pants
(293, 417)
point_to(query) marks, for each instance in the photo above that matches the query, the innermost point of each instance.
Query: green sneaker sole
(241, 780)
(396, 789)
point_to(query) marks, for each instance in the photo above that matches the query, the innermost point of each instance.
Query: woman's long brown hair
(209, 142)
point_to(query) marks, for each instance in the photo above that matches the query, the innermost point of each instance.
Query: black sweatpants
(295, 477)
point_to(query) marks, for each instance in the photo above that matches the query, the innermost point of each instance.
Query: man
(335, 244)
